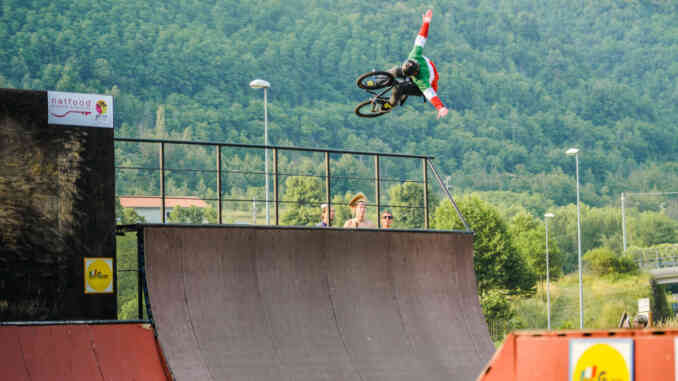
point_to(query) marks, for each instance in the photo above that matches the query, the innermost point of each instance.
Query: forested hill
(524, 79)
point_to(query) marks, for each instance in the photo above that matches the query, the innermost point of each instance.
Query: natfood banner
(601, 359)
(76, 109)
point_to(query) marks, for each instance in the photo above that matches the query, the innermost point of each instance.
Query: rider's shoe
(386, 106)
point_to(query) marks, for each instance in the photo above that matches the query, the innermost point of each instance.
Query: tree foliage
(524, 81)
(303, 197)
(496, 262)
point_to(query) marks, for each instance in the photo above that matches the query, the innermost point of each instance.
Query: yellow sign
(601, 360)
(98, 275)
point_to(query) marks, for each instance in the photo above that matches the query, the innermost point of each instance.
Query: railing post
(425, 165)
(328, 183)
(219, 211)
(141, 273)
(162, 180)
(377, 188)
(275, 185)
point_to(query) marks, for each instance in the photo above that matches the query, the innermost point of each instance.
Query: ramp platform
(275, 303)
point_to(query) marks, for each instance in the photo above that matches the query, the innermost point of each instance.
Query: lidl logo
(601, 360)
(98, 275)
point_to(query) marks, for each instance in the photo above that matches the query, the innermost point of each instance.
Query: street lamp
(575, 152)
(261, 84)
(548, 285)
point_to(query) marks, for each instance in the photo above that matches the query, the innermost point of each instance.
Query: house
(150, 207)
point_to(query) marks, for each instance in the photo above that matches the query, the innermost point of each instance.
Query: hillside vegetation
(524, 79)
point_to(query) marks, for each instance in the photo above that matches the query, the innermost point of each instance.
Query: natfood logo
(98, 275)
(601, 360)
(76, 109)
(101, 108)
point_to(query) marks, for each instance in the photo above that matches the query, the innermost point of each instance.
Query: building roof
(156, 202)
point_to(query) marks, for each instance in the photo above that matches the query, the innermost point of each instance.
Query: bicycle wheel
(375, 80)
(369, 109)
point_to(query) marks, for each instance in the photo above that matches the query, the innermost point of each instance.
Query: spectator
(327, 217)
(386, 219)
(358, 206)
(639, 322)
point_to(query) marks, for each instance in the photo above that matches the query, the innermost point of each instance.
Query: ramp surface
(250, 303)
(80, 353)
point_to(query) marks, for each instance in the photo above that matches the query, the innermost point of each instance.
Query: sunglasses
(387, 217)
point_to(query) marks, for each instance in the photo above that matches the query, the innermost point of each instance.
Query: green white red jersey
(427, 78)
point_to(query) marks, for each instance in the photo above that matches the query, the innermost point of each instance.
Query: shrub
(603, 261)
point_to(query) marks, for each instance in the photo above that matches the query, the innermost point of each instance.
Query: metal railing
(276, 174)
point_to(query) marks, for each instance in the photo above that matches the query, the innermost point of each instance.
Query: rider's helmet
(410, 67)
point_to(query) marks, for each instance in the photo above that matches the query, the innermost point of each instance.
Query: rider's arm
(420, 41)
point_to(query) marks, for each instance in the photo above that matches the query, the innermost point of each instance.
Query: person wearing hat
(358, 206)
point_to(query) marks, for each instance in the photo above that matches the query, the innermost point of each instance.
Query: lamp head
(549, 215)
(572, 151)
(260, 84)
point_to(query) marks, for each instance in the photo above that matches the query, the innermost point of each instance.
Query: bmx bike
(379, 84)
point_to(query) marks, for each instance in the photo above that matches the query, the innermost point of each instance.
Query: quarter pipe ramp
(275, 303)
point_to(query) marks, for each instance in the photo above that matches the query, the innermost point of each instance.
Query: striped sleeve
(422, 35)
(432, 97)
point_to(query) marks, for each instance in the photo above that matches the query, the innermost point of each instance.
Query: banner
(75, 109)
(601, 359)
(98, 275)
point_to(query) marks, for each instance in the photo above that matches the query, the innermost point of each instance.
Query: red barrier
(80, 352)
(545, 355)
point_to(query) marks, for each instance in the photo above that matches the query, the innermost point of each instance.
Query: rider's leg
(396, 93)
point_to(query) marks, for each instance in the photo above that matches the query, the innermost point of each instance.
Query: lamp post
(575, 152)
(261, 84)
(548, 284)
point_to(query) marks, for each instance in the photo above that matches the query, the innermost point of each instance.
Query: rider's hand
(427, 16)
(442, 112)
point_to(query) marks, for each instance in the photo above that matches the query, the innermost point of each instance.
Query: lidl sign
(98, 275)
(601, 360)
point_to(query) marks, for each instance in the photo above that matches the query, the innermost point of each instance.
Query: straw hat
(358, 198)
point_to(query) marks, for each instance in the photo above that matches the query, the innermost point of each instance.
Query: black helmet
(410, 67)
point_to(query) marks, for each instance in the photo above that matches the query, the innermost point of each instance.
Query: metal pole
(449, 196)
(219, 220)
(276, 186)
(377, 190)
(548, 284)
(623, 222)
(268, 216)
(581, 288)
(162, 181)
(425, 167)
(328, 185)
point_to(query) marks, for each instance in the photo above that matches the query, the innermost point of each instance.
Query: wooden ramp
(274, 303)
(80, 352)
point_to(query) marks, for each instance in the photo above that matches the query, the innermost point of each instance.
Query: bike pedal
(370, 83)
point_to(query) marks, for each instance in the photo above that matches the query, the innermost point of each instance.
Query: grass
(605, 299)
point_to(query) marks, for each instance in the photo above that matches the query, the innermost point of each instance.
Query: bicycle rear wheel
(369, 109)
(375, 80)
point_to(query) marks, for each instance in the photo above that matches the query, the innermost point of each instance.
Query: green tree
(496, 261)
(659, 303)
(190, 215)
(303, 197)
(603, 261)
(529, 236)
(407, 201)
(651, 228)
